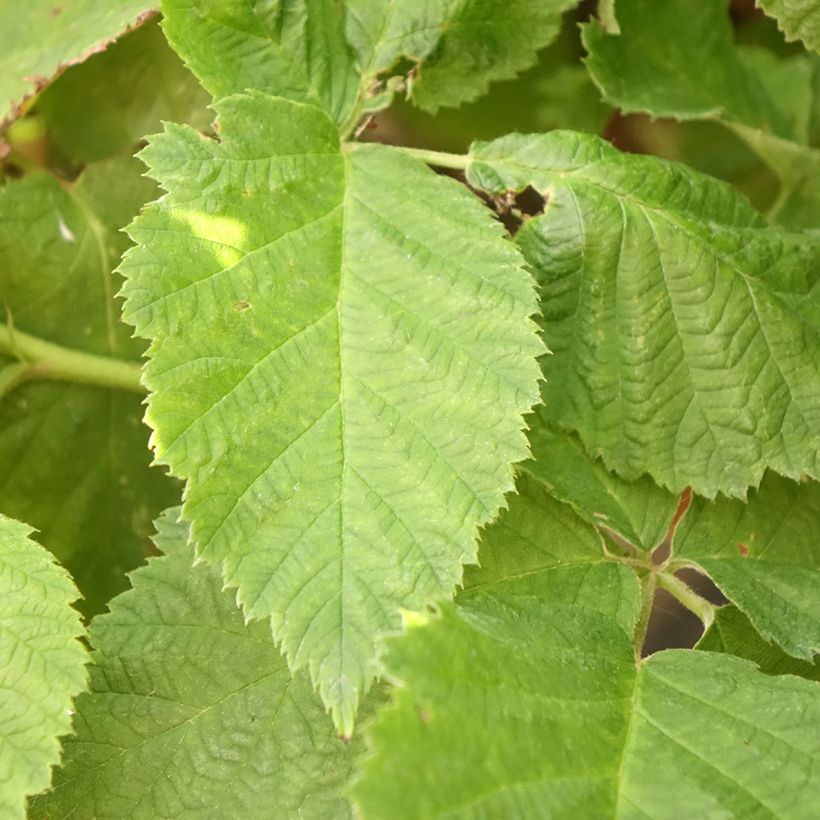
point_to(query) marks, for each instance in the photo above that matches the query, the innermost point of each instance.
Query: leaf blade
(575, 728)
(654, 282)
(63, 35)
(43, 664)
(192, 711)
(372, 321)
(74, 459)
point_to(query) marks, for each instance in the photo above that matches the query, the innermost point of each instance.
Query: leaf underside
(341, 356)
(74, 460)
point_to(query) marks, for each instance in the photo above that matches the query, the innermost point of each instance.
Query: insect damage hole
(514, 209)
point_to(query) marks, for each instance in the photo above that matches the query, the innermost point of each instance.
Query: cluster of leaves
(428, 467)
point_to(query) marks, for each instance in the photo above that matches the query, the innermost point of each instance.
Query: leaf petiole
(686, 596)
(44, 360)
(441, 159)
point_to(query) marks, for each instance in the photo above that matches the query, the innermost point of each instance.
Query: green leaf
(541, 547)
(798, 19)
(293, 48)
(74, 459)
(670, 309)
(640, 511)
(764, 556)
(520, 707)
(192, 712)
(459, 46)
(40, 38)
(733, 633)
(341, 356)
(105, 105)
(42, 664)
(656, 64)
(556, 92)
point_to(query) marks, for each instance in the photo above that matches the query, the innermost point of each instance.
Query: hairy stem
(648, 585)
(43, 360)
(686, 596)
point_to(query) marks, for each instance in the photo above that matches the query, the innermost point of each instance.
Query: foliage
(42, 665)
(425, 438)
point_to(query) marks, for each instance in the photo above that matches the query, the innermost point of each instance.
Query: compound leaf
(798, 19)
(671, 310)
(42, 664)
(459, 46)
(192, 712)
(39, 38)
(294, 49)
(341, 356)
(74, 459)
(522, 707)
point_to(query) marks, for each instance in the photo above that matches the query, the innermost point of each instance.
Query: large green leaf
(525, 707)
(42, 664)
(40, 37)
(733, 633)
(656, 63)
(294, 49)
(459, 46)
(341, 356)
(799, 19)
(74, 460)
(684, 331)
(192, 712)
(764, 556)
(104, 106)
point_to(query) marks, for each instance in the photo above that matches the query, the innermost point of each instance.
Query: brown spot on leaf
(242, 306)
(743, 549)
(56, 11)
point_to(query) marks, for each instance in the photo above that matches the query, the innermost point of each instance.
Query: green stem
(43, 360)
(458, 162)
(13, 375)
(685, 595)
(648, 585)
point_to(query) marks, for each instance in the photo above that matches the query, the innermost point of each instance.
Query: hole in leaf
(671, 625)
(514, 209)
(529, 202)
